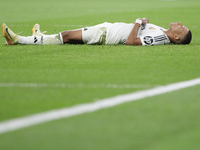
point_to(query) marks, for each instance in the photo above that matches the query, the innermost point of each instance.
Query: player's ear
(176, 37)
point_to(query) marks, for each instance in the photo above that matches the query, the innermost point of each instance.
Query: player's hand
(144, 20)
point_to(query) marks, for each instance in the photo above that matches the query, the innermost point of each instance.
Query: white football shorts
(94, 34)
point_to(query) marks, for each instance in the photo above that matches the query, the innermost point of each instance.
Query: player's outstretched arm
(133, 39)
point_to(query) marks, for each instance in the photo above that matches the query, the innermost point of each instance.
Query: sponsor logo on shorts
(123, 41)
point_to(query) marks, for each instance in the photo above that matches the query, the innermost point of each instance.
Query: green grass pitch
(165, 122)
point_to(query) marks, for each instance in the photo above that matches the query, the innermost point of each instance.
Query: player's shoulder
(154, 35)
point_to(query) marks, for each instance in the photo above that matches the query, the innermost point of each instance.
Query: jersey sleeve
(154, 40)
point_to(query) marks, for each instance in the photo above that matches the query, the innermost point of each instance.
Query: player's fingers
(145, 19)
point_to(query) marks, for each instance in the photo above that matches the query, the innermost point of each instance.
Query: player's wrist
(139, 21)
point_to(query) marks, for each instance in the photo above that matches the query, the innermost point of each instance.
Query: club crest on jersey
(148, 40)
(152, 28)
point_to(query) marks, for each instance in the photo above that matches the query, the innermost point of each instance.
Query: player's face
(178, 29)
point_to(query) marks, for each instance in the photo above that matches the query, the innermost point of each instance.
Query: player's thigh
(72, 36)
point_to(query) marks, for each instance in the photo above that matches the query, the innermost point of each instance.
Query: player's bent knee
(66, 36)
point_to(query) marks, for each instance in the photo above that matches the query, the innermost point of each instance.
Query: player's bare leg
(72, 37)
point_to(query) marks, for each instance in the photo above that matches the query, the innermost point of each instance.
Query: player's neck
(169, 35)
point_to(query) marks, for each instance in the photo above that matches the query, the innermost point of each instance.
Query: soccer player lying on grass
(141, 32)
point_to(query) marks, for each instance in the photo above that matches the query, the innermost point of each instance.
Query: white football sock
(55, 39)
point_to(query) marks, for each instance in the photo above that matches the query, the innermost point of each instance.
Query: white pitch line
(15, 124)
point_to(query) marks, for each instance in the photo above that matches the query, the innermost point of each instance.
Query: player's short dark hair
(187, 39)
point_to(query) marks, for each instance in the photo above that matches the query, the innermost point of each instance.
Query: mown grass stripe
(78, 85)
(27, 121)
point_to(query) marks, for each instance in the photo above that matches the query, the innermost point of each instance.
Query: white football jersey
(150, 34)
